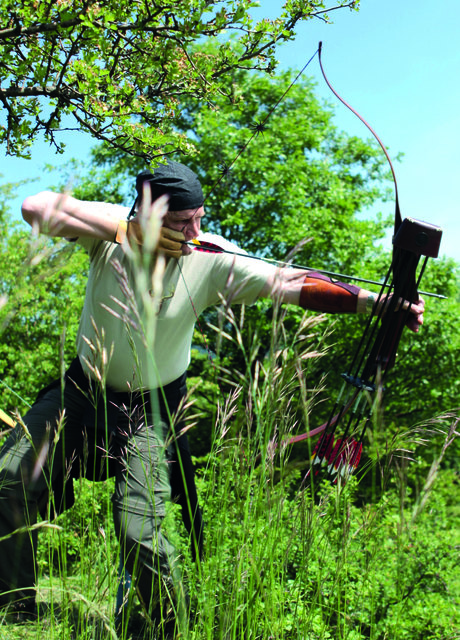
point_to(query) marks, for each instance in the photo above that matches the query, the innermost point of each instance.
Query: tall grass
(286, 556)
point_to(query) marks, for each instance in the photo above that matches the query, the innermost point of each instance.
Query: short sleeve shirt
(140, 337)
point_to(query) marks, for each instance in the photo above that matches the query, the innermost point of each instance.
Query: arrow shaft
(305, 268)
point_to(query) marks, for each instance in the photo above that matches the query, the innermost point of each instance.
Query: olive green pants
(53, 446)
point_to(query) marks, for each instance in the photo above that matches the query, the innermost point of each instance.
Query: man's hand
(170, 242)
(415, 317)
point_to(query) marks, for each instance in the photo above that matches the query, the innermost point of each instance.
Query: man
(122, 394)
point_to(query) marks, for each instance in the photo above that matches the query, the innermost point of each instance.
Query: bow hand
(414, 310)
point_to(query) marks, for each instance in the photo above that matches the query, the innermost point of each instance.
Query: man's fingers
(171, 234)
(166, 243)
(170, 242)
(414, 322)
(416, 309)
(415, 317)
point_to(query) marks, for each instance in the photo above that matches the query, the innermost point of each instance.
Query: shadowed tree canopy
(119, 70)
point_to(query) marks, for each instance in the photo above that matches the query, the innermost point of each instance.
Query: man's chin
(186, 250)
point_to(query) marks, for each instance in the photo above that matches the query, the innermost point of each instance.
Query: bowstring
(362, 383)
(257, 128)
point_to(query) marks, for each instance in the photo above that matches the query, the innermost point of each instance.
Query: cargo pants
(55, 444)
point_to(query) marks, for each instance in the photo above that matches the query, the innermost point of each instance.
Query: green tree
(299, 178)
(302, 178)
(121, 70)
(41, 294)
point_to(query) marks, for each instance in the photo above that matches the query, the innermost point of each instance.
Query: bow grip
(412, 240)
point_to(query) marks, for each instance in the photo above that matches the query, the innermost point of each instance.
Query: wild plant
(286, 556)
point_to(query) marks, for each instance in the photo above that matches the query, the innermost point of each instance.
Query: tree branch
(38, 28)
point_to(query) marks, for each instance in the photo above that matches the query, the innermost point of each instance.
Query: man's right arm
(62, 215)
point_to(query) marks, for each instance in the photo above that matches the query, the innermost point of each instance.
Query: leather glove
(169, 241)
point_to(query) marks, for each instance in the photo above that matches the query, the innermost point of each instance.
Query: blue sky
(397, 62)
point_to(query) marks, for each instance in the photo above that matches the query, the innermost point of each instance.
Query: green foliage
(85, 536)
(41, 294)
(293, 567)
(120, 71)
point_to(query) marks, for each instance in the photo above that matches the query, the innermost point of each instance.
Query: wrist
(121, 232)
(366, 302)
(370, 303)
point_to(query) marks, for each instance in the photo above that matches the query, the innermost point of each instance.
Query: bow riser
(413, 240)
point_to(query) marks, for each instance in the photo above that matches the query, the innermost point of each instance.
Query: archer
(115, 414)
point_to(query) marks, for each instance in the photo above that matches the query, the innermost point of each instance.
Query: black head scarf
(174, 179)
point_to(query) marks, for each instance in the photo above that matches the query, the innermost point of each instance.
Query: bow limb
(377, 348)
(398, 219)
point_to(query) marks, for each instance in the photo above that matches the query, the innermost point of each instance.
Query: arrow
(209, 247)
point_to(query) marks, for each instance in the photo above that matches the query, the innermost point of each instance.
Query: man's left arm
(317, 292)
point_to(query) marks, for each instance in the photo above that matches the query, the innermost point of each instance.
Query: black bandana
(177, 181)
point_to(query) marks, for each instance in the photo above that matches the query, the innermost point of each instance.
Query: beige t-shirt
(114, 341)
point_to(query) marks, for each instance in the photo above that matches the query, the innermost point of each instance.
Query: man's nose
(193, 228)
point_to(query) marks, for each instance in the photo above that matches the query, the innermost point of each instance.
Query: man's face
(188, 221)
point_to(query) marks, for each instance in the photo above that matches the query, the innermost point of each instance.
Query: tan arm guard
(320, 293)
